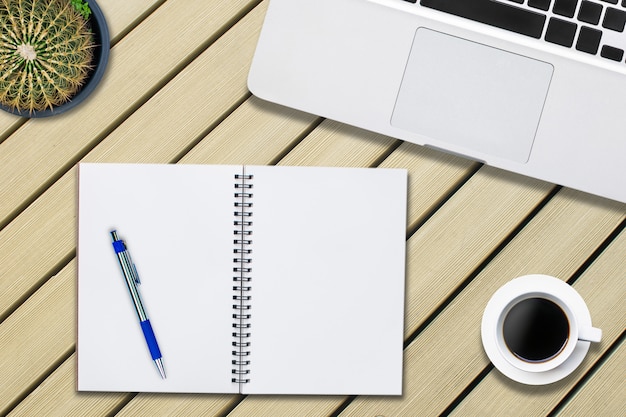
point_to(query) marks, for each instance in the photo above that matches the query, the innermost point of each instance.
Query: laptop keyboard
(594, 27)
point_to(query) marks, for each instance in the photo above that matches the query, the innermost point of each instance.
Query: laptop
(536, 87)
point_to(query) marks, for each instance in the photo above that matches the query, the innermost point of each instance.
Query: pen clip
(134, 270)
(136, 275)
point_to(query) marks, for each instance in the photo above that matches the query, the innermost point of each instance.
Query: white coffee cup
(537, 322)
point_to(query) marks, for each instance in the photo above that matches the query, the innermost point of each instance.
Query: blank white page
(177, 222)
(328, 267)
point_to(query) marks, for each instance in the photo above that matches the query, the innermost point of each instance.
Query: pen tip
(114, 235)
(160, 367)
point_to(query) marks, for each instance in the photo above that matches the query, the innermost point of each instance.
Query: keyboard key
(492, 13)
(565, 7)
(614, 19)
(610, 52)
(541, 4)
(561, 32)
(610, 1)
(590, 12)
(589, 40)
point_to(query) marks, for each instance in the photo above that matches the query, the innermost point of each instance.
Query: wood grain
(40, 151)
(57, 396)
(175, 92)
(603, 393)
(603, 286)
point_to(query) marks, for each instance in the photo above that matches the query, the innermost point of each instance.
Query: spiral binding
(242, 270)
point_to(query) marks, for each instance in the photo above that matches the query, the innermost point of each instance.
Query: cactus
(46, 51)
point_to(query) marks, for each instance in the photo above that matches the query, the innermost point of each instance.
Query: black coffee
(535, 330)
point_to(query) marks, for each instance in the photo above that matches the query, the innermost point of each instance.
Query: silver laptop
(537, 87)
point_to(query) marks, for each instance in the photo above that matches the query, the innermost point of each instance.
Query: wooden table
(175, 92)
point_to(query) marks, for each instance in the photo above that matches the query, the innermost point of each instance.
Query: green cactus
(46, 50)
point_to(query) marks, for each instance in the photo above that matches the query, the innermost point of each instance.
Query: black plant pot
(100, 59)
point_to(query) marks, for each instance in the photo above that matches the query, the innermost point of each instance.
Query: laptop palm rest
(473, 96)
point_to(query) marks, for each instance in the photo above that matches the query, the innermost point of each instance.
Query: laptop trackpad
(472, 95)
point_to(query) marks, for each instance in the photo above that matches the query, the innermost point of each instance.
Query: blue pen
(132, 280)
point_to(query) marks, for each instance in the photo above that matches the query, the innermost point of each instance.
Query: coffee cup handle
(590, 334)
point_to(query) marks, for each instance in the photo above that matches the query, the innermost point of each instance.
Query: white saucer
(511, 290)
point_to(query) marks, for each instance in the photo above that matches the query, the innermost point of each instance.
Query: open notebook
(319, 252)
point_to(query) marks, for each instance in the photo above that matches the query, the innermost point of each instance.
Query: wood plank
(57, 396)
(432, 176)
(463, 234)
(121, 16)
(42, 150)
(200, 405)
(603, 394)
(255, 134)
(603, 286)
(336, 144)
(448, 355)
(44, 234)
(34, 337)
(286, 406)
